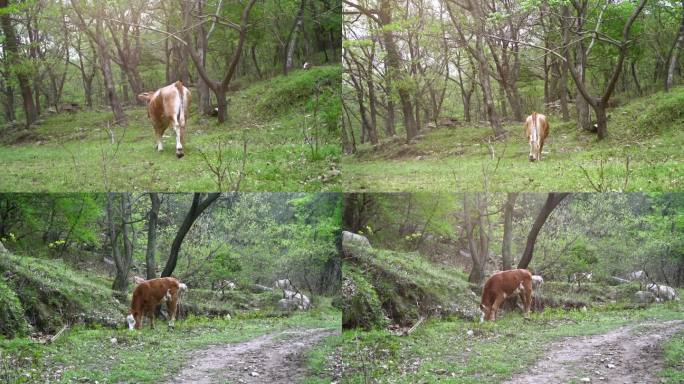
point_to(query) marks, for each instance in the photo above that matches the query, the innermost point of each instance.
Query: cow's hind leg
(527, 297)
(179, 137)
(158, 132)
(172, 304)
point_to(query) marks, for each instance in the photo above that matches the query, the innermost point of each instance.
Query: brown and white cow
(536, 130)
(503, 284)
(148, 294)
(168, 106)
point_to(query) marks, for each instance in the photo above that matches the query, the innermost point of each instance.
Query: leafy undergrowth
(445, 350)
(289, 124)
(648, 131)
(148, 356)
(407, 287)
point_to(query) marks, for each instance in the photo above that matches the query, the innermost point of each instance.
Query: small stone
(610, 365)
(254, 374)
(585, 380)
(470, 332)
(113, 340)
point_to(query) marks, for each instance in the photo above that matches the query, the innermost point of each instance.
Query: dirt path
(272, 358)
(630, 354)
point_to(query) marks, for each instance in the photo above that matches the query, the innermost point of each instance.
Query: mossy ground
(642, 153)
(289, 123)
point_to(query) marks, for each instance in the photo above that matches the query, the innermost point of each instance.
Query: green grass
(649, 131)
(442, 351)
(146, 356)
(674, 359)
(73, 152)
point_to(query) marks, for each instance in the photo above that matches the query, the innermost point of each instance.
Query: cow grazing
(168, 106)
(536, 130)
(503, 284)
(148, 294)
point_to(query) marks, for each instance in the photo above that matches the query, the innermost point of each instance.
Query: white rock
(254, 374)
(114, 340)
(585, 380)
(470, 332)
(610, 366)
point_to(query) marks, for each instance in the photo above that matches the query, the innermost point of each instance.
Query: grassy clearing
(649, 131)
(442, 351)
(74, 152)
(149, 356)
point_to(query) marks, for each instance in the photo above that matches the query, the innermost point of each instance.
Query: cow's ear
(145, 97)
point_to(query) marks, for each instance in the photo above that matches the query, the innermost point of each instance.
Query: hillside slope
(642, 152)
(289, 125)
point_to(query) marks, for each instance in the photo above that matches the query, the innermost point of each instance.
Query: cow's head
(145, 97)
(130, 319)
(484, 312)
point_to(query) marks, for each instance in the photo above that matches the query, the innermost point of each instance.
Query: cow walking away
(536, 130)
(148, 294)
(503, 284)
(168, 106)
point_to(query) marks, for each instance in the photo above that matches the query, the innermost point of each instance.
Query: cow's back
(151, 292)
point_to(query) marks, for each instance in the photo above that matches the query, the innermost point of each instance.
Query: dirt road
(630, 354)
(273, 358)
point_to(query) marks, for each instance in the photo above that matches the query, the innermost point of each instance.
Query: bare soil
(630, 354)
(272, 358)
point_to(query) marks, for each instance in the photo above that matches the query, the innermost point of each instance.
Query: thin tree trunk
(153, 216)
(11, 46)
(507, 257)
(292, 41)
(198, 206)
(551, 203)
(672, 63)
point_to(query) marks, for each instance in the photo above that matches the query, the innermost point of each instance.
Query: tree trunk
(153, 216)
(672, 63)
(551, 203)
(477, 250)
(198, 206)
(292, 41)
(507, 257)
(395, 70)
(11, 46)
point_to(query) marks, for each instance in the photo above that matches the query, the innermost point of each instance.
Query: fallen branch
(57, 335)
(415, 326)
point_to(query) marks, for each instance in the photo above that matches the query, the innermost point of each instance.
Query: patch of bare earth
(629, 354)
(273, 358)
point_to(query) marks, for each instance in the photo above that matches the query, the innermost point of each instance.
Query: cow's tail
(180, 114)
